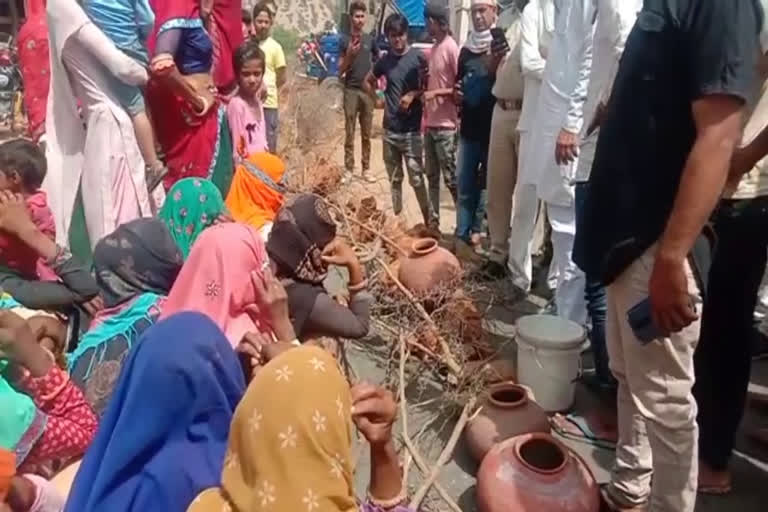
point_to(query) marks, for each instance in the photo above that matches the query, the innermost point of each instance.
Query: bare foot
(712, 481)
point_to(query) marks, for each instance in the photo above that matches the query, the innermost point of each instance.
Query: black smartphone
(500, 43)
(641, 322)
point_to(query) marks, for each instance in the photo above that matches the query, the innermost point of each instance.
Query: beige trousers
(658, 434)
(502, 176)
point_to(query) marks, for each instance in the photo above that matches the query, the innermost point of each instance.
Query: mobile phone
(640, 320)
(500, 43)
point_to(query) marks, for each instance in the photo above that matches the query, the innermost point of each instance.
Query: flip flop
(576, 428)
(715, 490)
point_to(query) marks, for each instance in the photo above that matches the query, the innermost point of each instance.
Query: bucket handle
(579, 372)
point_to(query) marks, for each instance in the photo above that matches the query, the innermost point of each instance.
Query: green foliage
(288, 38)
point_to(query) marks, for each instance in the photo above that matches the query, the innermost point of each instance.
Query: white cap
(492, 3)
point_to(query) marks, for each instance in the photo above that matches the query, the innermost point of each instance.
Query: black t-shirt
(363, 60)
(476, 83)
(677, 52)
(404, 74)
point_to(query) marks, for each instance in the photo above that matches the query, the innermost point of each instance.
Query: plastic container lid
(550, 332)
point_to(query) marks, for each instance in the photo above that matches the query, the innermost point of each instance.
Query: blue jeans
(471, 171)
(594, 293)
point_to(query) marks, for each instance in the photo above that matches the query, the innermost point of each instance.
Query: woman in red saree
(192, 72)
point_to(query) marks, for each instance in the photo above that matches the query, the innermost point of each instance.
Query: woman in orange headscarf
(256, 193)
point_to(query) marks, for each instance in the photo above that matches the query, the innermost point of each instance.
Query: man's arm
(369, 84)
(718, 121)
(531, 60)
(349, 51)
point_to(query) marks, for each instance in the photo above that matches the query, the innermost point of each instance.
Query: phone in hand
(641, 321)
(499, 44)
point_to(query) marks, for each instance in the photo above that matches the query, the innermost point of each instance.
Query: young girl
(245, 111)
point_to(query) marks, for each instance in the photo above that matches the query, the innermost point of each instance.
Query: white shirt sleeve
(104, 50)
(623, 14)
(582, 26)
(531, 60)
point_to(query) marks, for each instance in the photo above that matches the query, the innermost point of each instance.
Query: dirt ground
(369, 358)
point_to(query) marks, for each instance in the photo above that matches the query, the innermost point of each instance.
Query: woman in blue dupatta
(164, 435)
(135, 267)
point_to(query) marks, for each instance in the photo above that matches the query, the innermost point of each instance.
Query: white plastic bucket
(549, 359)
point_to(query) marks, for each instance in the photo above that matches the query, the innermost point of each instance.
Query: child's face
(247, 29)
(251, 76)
(10, 181)
(262, 24)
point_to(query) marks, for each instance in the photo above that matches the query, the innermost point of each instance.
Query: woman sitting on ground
(223, 278)
(257, 191)
(301, 245)
(45, 418)
(163, 436)
(192, 205)
(135, 267)
(297, 454)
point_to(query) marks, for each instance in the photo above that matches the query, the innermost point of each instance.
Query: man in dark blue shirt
(405, 69)
(673, 120)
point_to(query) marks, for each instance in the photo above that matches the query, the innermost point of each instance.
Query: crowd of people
(154, 222)
(622, 126)
(149, 218)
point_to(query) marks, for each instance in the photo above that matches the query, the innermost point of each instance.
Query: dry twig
(445, 455)
(417, 458)
(446, 356)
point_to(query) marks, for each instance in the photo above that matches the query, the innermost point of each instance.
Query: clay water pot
(535, 473)
(427, 267)
(507, 411)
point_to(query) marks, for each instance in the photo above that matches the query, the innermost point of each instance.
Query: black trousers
(723, 357)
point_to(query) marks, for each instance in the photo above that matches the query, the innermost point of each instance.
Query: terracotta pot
(427, 267)
(507, 411)
(532, 473)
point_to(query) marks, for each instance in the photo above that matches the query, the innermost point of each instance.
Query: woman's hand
(50, 332)
(257, 350)
(273, 300)
(93, 306)
(339, 253)
(374, 411)
(14, 216)
(19, 344)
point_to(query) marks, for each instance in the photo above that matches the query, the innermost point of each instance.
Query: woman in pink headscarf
(227, 277)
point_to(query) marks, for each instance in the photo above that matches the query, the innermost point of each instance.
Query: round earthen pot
(507, 411)
(535, 473)
(427, 267)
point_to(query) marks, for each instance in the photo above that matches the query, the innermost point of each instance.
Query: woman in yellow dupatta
(290, 444)
(256, 193)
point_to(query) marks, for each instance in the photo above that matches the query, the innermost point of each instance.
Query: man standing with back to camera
(673, 120)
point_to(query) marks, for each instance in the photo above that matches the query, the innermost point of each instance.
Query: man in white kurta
(537, 26)
(614, 21)
(561, 101)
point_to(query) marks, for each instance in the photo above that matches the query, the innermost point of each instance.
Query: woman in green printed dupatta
(192, 205)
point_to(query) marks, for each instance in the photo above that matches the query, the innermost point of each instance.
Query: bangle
(391, 502)
(295, 342)
(359, 286)
(206, 106)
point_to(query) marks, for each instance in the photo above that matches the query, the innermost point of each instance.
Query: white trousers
(569, 294)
